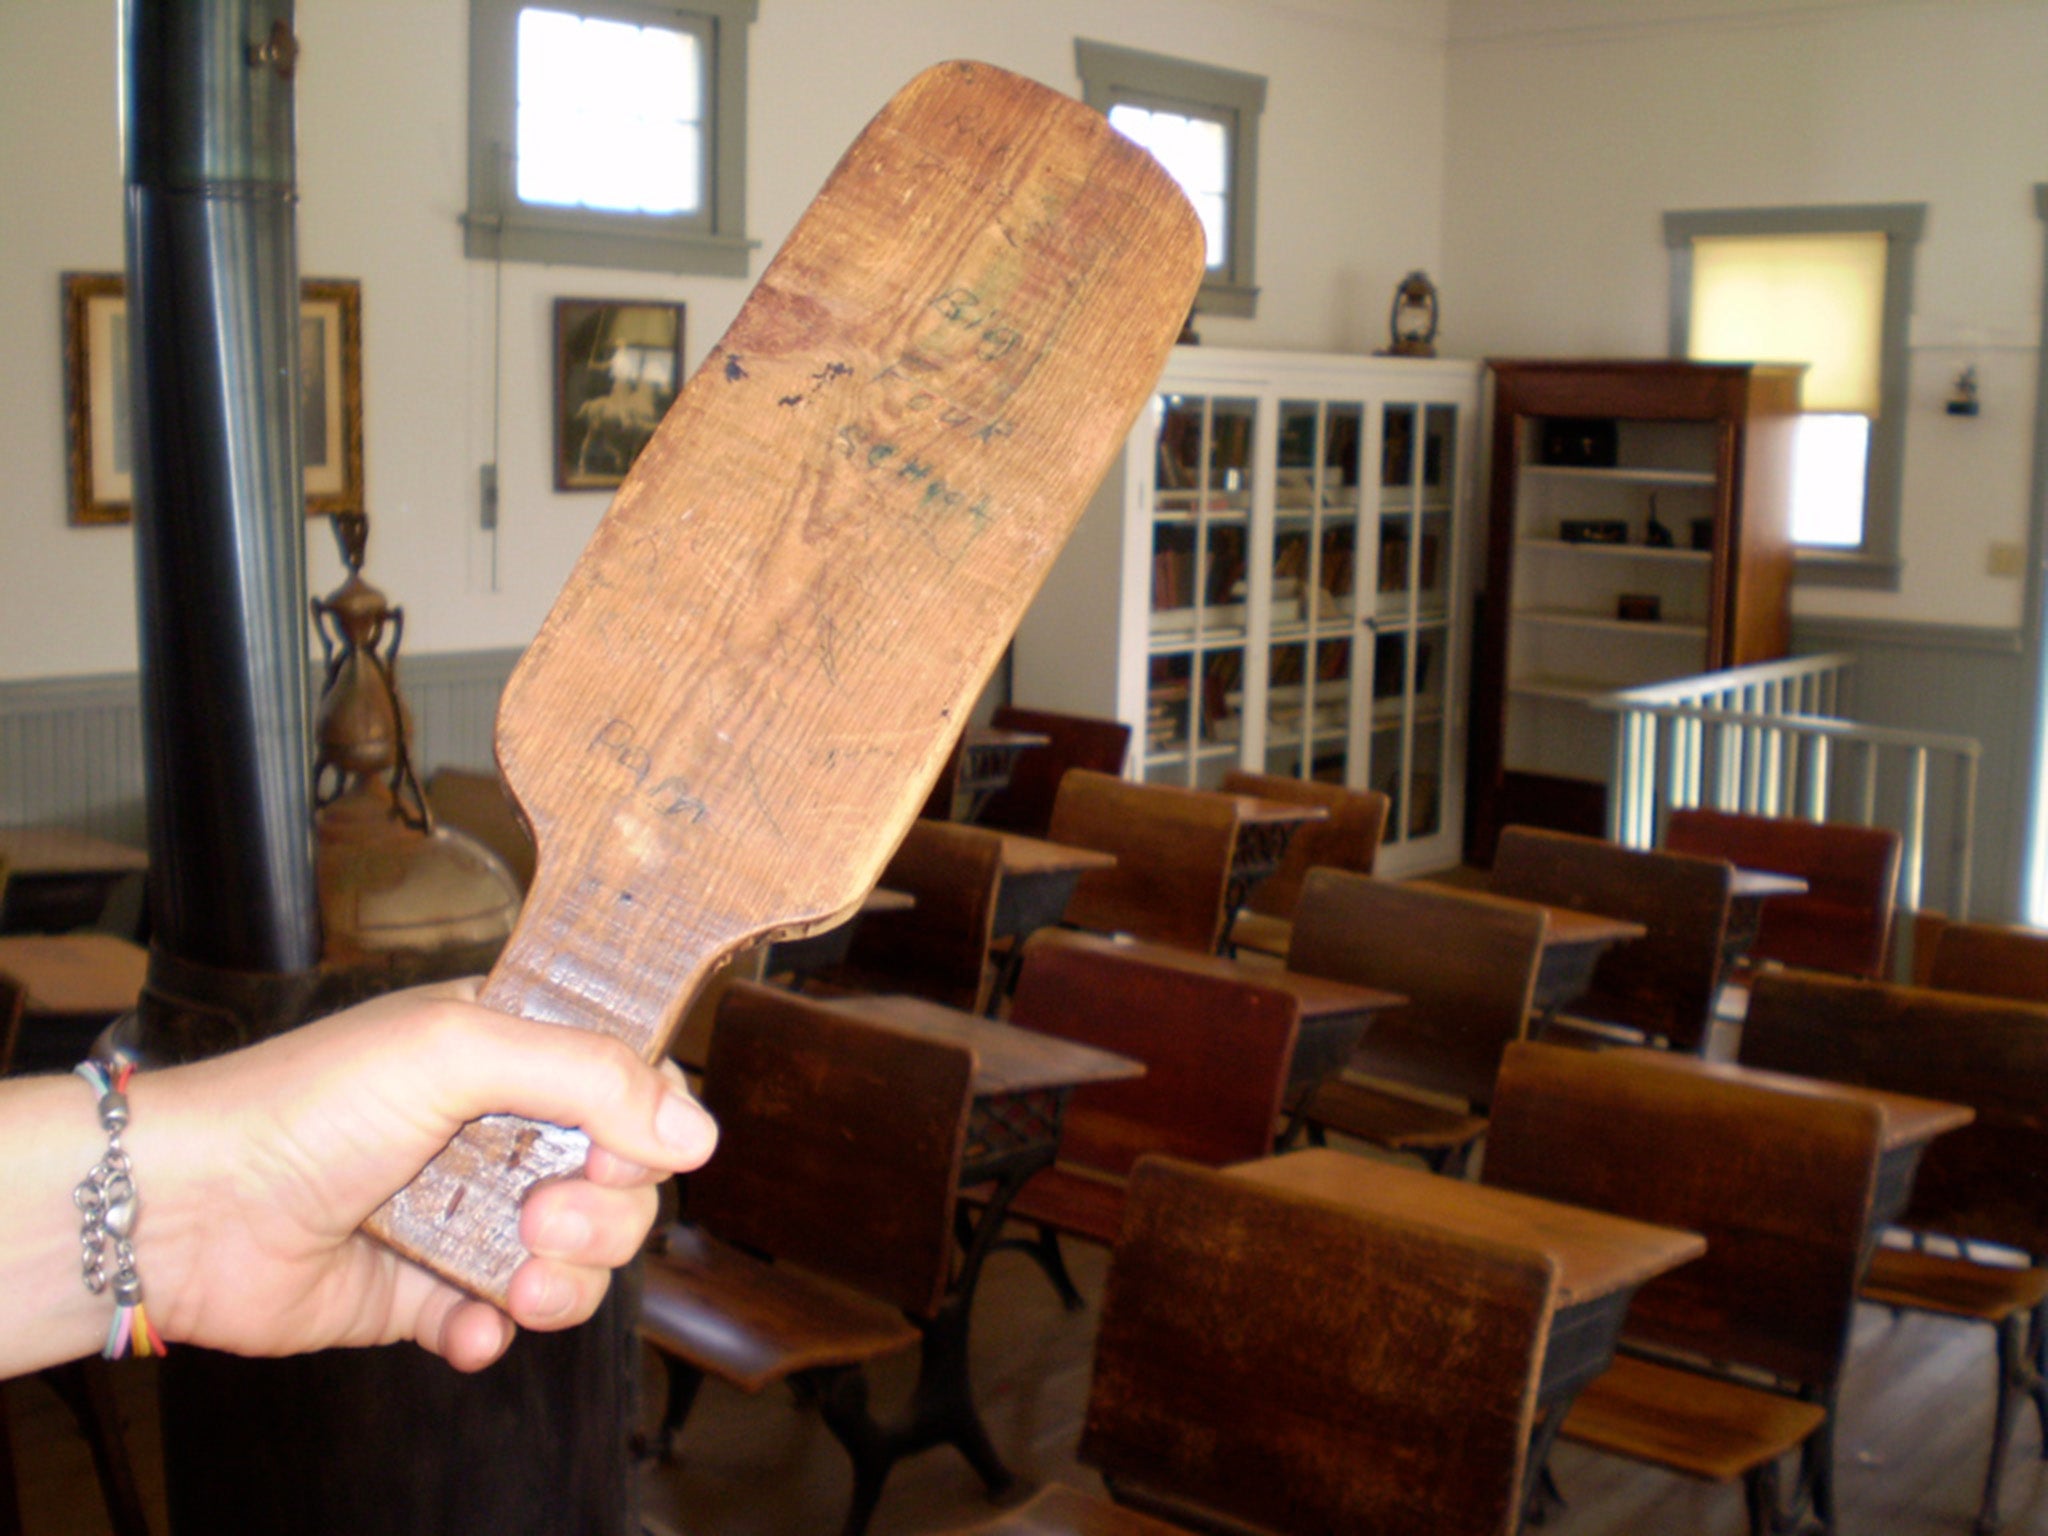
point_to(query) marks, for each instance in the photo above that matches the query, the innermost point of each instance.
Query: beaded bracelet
(108, 1200)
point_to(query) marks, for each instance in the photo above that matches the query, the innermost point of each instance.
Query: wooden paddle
(747, 686)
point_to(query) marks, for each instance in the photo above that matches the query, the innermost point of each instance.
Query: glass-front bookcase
(1270, 581)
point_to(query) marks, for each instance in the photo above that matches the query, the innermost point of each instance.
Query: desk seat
(1978, 1184)
(1058, 1510)
(1468, 965)
(1174, 850)
(839, 1158)
(1348, 839)
(1954, 1287)
(1689, 1422)
(752, 1323)
(1438, 1134)
(1661, 986)
(1782, 1179)
(1216, 1046)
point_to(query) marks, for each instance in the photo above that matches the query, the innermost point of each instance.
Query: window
(1831, 288)
(609, 133)
(1203, 125)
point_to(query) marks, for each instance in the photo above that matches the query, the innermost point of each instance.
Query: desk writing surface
(1027, 856)
(1258, 811)
(1319, 996)
(1906, 1120)
(980, 736)
(1597, 1254)
(1757, 884)
(75, 973)
(1568, 927)
(1006, 1059)
(62, 851)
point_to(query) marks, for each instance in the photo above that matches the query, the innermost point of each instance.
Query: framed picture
(331, 393)
(99, 415)
(618, 363)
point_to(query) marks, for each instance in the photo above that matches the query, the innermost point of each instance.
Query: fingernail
(680, 1121)
(554, 1298)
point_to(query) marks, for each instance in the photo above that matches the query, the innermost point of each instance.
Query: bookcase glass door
(1201, 556)
(1313, 688)
(1411, 618)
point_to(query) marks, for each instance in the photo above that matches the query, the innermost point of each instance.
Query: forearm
(253, 1173)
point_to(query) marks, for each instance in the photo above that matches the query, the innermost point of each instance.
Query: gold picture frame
(99, 416)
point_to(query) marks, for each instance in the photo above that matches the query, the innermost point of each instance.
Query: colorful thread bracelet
(106, 1196)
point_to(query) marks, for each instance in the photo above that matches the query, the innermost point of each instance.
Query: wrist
(55, 1140)
(169, 1147)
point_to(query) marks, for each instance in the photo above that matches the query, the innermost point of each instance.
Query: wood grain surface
(759, 663)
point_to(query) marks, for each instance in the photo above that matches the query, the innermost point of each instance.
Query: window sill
(1235, 301)
(1877, 573)
(487, 239)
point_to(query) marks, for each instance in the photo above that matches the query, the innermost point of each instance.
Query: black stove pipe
(347, 1441)
(220, 519)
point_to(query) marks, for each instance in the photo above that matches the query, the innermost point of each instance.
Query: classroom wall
(1567, 145)
(456, 352)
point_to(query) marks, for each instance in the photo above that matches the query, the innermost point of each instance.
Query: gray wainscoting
(71, 747)
(1964, 681)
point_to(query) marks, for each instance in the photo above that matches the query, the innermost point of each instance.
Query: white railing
(1771, 740)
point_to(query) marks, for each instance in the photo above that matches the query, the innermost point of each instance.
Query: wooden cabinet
(1269, 579)
(1638, 530)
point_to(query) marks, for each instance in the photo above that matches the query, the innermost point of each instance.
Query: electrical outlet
(2006, 559)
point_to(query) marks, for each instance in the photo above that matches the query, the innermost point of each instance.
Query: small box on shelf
(1584, 442)
(1592, 530)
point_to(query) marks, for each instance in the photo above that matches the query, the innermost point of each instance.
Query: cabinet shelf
(1391, 719)
(1575, 690)
(1619, 551)
(1182, 635)
(1701, 450)
(1567, 618)
(1343, 628)
(1309, 510)
(1393, 618)
(1622, 474)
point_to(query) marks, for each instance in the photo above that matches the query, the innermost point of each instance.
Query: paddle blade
(758, 665)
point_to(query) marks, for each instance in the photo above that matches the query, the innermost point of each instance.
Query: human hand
(257, 1168)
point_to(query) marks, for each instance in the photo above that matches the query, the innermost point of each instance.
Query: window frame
(1875, 562)
(1111, 76)
(497, 227)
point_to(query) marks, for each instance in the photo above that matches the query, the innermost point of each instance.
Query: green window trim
(496, 227)
(1876, 563)
(1111, 75)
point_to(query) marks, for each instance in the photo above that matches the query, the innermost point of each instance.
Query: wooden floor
(1910, 1455)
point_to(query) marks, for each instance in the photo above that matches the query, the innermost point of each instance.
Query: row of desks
(1023, 1081)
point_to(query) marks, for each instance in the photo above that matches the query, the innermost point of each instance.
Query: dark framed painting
(99, 416)
(618, 364)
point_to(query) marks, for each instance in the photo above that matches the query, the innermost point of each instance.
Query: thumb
(493, 1063)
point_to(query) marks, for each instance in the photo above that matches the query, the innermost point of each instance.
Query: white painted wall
(1350, 200)
(1567, 144)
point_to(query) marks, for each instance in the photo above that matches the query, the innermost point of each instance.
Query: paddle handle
(460, 1216)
